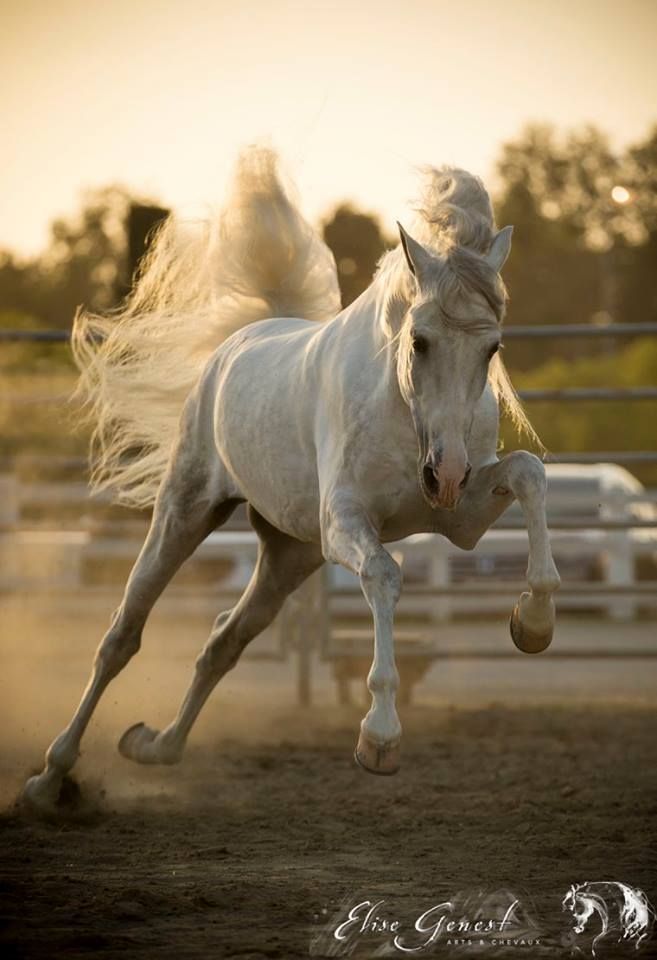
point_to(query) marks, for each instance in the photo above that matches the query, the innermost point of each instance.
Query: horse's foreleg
(180, 522)
(350, 539)
(283, 564)
(491, 490)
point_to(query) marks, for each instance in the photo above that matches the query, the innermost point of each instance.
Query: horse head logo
(623, 912)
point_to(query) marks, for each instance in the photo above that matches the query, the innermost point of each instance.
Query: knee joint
(527, 473)
(117, 648)
(380, 570)
(217, 658)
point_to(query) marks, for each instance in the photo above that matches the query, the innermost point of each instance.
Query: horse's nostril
(429, 478)
(468, 471)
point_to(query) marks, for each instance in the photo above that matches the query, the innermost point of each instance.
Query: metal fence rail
(549, 330)
(572, 394)
(584, 394)
(604, 456)
(35, 336)
(511, 332)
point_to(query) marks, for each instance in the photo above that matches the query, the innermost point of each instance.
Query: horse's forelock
(454, 208)
(476, 275)
(455, 220)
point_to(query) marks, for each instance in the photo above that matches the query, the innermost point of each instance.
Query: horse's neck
(368, 302)
(376, 311)
(360, 334)
(596, 904)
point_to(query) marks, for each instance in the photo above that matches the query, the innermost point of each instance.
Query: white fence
(440, 579)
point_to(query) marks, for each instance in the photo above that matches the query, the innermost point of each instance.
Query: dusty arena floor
(257, 846)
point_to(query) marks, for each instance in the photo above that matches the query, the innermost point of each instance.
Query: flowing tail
(258, 259)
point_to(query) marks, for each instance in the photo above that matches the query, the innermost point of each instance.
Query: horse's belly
(292, 506)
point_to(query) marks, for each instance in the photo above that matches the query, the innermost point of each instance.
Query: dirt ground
(267, 834)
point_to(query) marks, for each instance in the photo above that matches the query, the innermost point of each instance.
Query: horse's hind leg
(191, 503)
(283, 564)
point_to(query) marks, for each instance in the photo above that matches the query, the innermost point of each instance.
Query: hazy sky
(160, 94)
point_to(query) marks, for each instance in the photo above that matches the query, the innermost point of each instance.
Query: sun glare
(620, 194)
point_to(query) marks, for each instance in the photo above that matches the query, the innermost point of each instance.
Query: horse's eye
(420, 344)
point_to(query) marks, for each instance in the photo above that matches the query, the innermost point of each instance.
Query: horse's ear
(500, 249)
(417, 258)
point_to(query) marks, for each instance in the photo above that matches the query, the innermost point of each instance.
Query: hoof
(41, 794)
(51, 792)
(134, 743)
(527, 640)
(382, 759)
(143, 745)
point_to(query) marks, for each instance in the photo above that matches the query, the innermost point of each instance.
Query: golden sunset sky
(160, 94)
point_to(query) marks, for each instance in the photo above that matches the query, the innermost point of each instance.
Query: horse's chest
(392, 491)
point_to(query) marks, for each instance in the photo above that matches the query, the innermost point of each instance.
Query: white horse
(341, 432)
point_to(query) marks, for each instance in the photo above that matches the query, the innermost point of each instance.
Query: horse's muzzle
(443, 484)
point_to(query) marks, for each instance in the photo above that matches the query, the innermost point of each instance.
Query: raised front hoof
(528, 641)
(382, 759)
(143, 745)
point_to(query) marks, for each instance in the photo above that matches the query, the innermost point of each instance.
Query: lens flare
(620, 194)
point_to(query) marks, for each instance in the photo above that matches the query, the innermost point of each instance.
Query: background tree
(638, 261)
(358, 242)
(83, 264)
(584, 220)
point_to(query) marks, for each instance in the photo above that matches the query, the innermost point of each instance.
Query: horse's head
(583, 903)
(571, 901)
(448, 338)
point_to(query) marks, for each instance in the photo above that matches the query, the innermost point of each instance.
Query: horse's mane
(454, 218)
